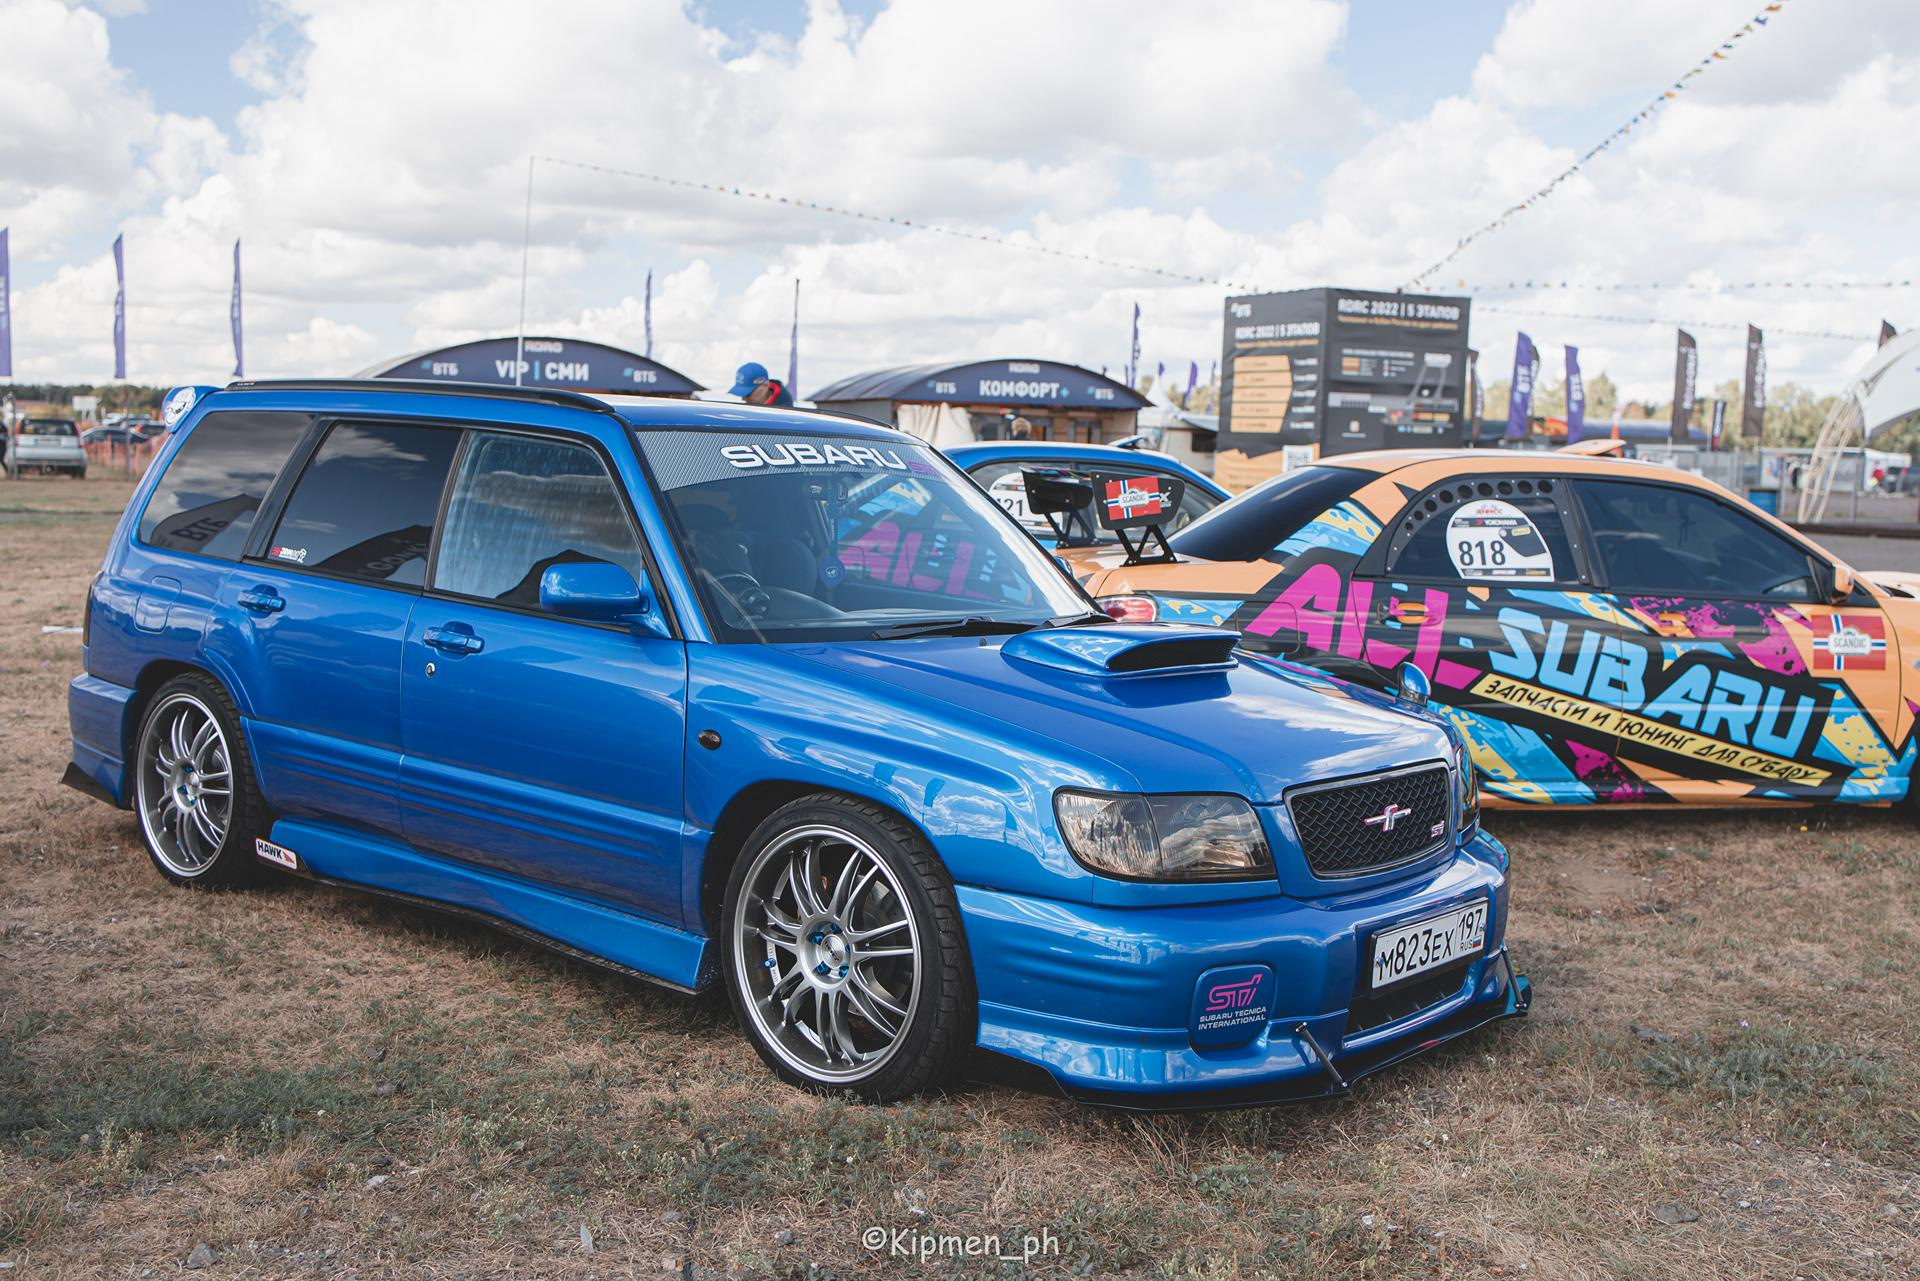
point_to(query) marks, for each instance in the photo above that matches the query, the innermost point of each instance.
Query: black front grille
(1367, 824)
(1404, 1000)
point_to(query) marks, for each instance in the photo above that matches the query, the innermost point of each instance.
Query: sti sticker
(1231, 1005)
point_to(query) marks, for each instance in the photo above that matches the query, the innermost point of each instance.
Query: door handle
(262, 600)
(449, 641)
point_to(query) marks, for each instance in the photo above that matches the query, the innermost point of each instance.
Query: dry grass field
(1721, 1077)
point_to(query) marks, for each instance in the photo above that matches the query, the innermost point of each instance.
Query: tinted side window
(1658, 539)
(206, 500)
(520, 505)
(1504, 531)
(1255, 523)
(365, 504)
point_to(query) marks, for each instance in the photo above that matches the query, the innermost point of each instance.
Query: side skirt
(618, 941)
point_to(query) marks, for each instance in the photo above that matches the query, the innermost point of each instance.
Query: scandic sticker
(1854, 643)
(1134, 498)
(1491, 539)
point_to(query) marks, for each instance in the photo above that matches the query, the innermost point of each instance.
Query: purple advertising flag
(1753, 392)
(1576, 398)
(1686, 366)
(1476, 397)
(1520, 395)
(6, 312)
(648, 353)
(239, 348)
(793, 345)
(1133, 352)
(1193, 379)
(119, 313)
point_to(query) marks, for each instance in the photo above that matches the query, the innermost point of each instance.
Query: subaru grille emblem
(1387, 817)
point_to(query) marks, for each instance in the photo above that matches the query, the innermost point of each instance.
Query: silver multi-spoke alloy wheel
(185, 785)
(827, 953)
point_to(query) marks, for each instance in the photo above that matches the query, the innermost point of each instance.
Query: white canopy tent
(1886, 390)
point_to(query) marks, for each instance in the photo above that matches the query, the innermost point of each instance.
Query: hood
(1210, 724)
(1895, 582)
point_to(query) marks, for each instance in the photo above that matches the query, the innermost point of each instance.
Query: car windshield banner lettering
(680, 459)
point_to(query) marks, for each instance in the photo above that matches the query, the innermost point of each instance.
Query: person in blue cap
(752, 385)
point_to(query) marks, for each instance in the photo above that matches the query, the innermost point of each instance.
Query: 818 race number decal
(1489, 538)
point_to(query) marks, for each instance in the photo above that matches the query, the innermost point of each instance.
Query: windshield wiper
(972, 625)
(1093, 618)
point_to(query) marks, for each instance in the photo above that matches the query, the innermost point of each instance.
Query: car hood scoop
(1125, 649)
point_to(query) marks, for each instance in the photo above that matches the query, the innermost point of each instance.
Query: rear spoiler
(1136, 508)
(1595, 448)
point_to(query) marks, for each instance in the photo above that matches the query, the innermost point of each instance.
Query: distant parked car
(139, 430)
(47, 445)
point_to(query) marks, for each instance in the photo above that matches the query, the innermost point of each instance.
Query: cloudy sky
(373, 156)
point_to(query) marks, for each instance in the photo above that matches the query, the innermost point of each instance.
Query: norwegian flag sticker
(1856, 643)
(1134, 498)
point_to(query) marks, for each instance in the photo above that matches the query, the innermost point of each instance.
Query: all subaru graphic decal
(1581, 697)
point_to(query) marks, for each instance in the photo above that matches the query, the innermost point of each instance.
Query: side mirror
(1840, 585)
(1415, 688)
(599, 592)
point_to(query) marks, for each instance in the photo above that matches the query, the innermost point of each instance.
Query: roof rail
(445, 387)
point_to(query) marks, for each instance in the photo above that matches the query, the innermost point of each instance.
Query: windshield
(799, 537)
(47, 427)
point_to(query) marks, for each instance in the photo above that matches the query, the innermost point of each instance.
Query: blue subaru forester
(714, 693)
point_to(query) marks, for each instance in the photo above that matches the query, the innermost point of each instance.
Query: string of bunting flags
(1685, 286)
(1679, 86)
(1657, 320)
(1008, 242)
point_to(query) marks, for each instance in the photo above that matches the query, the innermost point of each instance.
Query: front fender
(981, 794)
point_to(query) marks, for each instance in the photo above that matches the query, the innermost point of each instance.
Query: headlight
(1469, 790)
(1164, 838)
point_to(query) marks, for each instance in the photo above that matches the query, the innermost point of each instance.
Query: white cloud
(379, 179)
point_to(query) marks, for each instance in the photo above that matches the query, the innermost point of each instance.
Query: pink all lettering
(1313, 605)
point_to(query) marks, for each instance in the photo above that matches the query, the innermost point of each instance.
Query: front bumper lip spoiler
(1334, 1082)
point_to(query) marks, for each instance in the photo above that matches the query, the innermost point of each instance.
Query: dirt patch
(1721, 1078)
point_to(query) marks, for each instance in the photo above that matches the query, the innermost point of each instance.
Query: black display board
(1314, 372)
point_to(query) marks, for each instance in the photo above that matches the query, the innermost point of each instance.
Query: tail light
(1131, 609)
(86, 618)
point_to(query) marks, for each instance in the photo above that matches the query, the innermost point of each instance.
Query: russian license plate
(1429, 944)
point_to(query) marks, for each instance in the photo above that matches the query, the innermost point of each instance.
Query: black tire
(937, 1007)
(170, 787)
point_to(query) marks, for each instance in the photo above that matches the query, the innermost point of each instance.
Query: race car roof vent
(1126, 649)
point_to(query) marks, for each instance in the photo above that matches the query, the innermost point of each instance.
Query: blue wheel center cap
(829, 956)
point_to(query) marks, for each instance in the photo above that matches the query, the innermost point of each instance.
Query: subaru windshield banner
(571, 363)
(687, 458)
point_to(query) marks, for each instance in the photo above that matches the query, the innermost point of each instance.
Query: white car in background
(47, 445)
